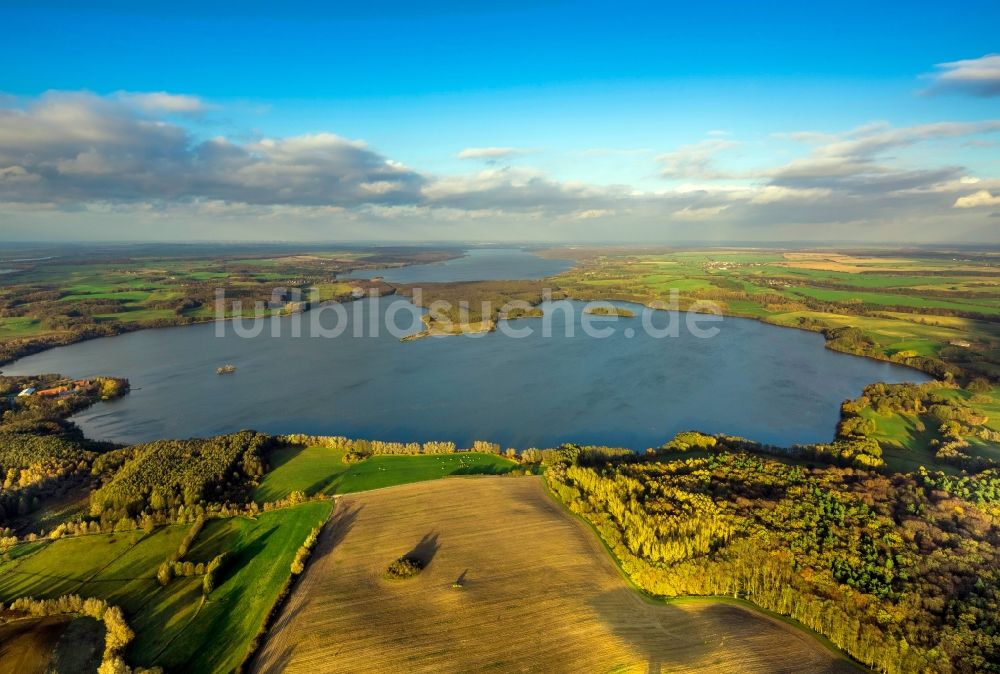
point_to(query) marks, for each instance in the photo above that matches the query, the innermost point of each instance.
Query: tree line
(117, 633)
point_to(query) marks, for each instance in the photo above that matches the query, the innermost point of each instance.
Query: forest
(901, 571)
(169, 475)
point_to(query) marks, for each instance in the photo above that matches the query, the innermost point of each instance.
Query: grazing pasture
(511, 582)
(174, 627)
(321, 470)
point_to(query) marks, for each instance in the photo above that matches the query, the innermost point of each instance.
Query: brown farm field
(50, 644)
(538, 593)
(26, 645)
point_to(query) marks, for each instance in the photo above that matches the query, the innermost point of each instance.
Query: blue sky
(579, 121)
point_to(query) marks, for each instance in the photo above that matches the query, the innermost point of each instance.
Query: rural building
(960, 342)
(53, 391)
(26, 392)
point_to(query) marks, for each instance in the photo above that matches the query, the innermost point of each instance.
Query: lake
(477, 264)
(771, 384)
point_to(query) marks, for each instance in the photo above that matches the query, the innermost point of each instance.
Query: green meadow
(318, 470)
(174, 627)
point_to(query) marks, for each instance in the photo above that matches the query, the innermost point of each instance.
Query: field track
(539, 594)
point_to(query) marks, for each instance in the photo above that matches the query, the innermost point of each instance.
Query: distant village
(77, 386)
(103, 387)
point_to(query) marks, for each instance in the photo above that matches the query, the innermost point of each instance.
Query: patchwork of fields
(62, 298)
(512, 583)
(174, 627)
(937, 312)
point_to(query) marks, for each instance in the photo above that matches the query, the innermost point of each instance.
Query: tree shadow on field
(425, 549)
(332, 534)
(324, 485)
(237, 559)
(715, 636)
(277, 664)
(335, 530)
(261, 661)
(482, 470)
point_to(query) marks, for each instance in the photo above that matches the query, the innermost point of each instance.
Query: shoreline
(131, 328)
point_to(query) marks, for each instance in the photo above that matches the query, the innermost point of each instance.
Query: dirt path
(539, 593)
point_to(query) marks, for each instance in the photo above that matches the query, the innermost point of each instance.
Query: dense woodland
(901, 571)
(168, 476)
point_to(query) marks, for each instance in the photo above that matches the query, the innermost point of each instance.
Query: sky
(570, 122)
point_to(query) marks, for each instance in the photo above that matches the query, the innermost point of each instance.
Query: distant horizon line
(382, 243)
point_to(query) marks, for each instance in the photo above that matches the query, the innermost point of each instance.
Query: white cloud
(696, 161)
(518, 190)
(770, 194)
(594, 213)
(977, 199)
(979, 77)
(703, 213)
(162, 102)
(491, 153)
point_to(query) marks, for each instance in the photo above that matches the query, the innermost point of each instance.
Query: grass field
(318, 470)
(260, 553)
(538, 593)
(988, 305)
(173, 627)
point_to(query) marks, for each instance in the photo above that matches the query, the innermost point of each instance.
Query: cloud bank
(80, 165)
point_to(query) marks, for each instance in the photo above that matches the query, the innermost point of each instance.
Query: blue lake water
(478, 264)
(771, 384)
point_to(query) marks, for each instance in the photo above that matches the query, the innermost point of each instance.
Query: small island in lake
(446, 328)
(226, 369)
(610, 311)
(522, 312)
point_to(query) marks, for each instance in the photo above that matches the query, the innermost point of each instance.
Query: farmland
(174, 628)
(67, 295)
(54, 643)
(531, 581)
(934, 311)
